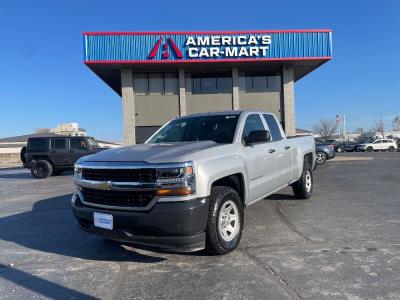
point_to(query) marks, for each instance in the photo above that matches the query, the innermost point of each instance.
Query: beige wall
(208, 102)
(155, 110)
(269, 101)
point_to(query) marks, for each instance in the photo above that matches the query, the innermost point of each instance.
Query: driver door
(78, 147)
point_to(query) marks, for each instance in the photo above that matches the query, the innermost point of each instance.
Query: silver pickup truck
(186, 188)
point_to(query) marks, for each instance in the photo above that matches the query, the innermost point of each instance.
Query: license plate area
(104, 221)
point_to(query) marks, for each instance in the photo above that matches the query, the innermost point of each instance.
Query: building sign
(227, 46)
(199, 47)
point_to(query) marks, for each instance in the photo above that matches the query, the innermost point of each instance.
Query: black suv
(47, 156)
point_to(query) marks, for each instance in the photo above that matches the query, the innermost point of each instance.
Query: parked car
(187, 187)
(378, 145)
(397, 140)
(47, 156)
(324, 151)
(345, 147)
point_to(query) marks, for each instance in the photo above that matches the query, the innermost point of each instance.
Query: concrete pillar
(182, 93)
(235, 89)
(128, 106)
(288, 100)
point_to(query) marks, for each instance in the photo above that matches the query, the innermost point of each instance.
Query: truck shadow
(25, 174)
(50, 227)
(281, 197)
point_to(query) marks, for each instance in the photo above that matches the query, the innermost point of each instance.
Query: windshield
(92, 142)
(219, 128)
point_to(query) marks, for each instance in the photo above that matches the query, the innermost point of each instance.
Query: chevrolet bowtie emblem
(105, 185)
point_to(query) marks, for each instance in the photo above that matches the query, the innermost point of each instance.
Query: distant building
(70, 129)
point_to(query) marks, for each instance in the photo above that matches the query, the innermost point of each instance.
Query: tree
(380, 127)
(359, 130)
(326, 128)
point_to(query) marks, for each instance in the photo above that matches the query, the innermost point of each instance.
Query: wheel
(22, 155)
(391, 149)
(41, 169)
(302, 188)
(339, 150)
(321, 158)
(369, 149)
(225, 220)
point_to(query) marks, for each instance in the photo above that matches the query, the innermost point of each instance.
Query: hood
(151, 153)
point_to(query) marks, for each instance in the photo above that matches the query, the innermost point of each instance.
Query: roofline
(90, 62)
(203, 32)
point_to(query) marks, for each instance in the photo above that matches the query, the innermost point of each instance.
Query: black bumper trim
(176, 226)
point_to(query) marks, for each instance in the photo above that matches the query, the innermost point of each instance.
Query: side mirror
(257, 136)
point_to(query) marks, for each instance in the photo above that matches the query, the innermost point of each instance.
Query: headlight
(175, 181)
(77, 172)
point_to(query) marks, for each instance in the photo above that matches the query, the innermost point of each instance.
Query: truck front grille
(118, 198)
(120, 175)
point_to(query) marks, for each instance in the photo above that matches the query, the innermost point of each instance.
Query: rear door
(59, 152)
(282, 152)
(78, 147)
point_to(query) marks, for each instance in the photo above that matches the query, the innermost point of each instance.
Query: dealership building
(161, 75)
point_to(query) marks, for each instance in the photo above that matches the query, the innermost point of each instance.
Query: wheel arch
(235, 181)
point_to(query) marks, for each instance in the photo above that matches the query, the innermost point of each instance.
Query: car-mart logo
(216, 46)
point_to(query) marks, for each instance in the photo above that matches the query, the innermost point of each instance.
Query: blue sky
(43, 81)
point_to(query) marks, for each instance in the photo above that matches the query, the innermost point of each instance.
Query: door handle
(271, 150)
(287, 147)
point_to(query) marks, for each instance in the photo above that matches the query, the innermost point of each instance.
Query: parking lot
(343, 243)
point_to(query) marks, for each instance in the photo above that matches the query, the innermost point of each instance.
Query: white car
(378, 145)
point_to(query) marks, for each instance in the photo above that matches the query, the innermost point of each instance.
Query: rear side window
(39, 144)
(58, 144)
(273, 127)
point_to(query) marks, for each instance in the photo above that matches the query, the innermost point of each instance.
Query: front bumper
(176, 226)
(331, 154)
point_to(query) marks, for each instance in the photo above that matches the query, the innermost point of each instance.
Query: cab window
(253, 122)
(58, 144)
(78, 144)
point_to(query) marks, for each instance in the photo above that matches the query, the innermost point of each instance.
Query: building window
(259, 82)
(141, 83)
(155, 84)
(171, 86)
(210, 84)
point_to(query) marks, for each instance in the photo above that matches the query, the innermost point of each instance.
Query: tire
(369, 149)
(225, 204)
(321, 158)
(41, 169)
(391, 149)
(22, 155)
(303, 188)
(339, 150)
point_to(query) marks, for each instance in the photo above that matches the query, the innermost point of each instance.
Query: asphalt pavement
(343, 243)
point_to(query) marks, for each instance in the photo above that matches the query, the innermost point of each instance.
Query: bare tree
(326, 128)
(359, 130)
(380, 127)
